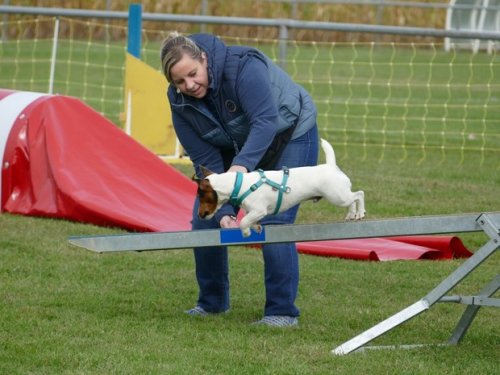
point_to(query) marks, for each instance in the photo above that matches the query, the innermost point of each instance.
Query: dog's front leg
(251, 220)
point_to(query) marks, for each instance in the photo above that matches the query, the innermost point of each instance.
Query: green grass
(69, 311)
(65, 310)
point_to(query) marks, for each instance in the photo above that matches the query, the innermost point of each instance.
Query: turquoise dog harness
(281, 188)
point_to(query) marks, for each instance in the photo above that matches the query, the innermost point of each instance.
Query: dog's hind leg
(356, 209)
(361, 204)
(352, 211)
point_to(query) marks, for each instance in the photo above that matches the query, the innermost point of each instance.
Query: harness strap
(281, 188)
(236, 190)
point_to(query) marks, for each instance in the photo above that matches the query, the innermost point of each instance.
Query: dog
(261, 193)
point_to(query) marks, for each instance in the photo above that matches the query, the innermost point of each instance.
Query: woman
(233, 109)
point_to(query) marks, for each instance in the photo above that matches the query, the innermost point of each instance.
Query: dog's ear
(205, 184)
(206, 172)
(196, 179)
(202, 183)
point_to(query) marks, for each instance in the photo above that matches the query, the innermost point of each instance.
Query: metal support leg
(471, 311)
(493, 230)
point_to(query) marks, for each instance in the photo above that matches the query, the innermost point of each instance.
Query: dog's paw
(350, 216)
(246, 232)
(357, 216)
(257, 228)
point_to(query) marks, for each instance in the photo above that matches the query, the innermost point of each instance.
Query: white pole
(53, 58)
(128, 121)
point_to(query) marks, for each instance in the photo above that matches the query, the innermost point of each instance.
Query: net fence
(384, 100)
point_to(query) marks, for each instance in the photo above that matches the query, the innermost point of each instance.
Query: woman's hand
(237, 168)
(228, 222)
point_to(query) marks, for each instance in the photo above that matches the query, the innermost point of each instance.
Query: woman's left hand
(228, 222)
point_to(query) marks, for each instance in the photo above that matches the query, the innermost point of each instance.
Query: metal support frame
(487, 222)
(492, 229)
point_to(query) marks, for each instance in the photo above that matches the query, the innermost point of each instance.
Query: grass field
(69, 311)
(65, 310)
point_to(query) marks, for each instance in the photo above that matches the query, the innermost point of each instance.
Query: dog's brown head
(206, 195)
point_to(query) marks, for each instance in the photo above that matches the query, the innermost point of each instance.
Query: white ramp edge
(11, 108)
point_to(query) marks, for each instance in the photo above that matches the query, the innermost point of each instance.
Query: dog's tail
(329, 153)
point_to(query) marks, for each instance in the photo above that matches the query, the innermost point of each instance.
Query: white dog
(262, 193)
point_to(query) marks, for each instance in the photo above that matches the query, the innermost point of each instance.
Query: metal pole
(135, 30)
(54, 56)
(283, 40)
(204, 12)
(5, 28)
(264, 22)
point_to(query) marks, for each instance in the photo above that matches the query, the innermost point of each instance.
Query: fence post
(283, 40)
(53, 57)
(5, 18)
(134, 30)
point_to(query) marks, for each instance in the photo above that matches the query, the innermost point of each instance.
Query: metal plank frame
(284, 233)
(487, 222)
(492, 228)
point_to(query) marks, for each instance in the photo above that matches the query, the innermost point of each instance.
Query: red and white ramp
(62, 159)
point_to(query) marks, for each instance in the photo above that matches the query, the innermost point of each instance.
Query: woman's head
(184, 65)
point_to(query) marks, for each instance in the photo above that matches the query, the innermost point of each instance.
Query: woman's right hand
(237, 168)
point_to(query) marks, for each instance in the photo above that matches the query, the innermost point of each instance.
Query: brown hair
(173, 48)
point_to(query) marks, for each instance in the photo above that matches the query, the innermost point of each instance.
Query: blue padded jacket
(249, 101)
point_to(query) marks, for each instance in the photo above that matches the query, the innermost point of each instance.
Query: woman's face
(191, 76)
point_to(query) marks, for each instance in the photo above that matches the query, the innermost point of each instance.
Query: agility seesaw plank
(282, 233)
